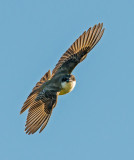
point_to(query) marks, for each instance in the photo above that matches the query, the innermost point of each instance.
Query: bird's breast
(67, 87)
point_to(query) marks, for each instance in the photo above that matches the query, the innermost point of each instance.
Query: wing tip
(85, 41)
(21, 112)
(23, 109)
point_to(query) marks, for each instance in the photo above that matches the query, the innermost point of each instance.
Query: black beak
(69, 80)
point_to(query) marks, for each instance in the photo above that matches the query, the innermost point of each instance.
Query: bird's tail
(31, 98)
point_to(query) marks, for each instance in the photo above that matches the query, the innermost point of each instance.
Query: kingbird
(44, 95)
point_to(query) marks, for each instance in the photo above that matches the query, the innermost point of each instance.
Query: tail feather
(36, 118)
(45, 123)
(29, 102)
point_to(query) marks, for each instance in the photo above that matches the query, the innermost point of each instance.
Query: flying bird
(44, 95)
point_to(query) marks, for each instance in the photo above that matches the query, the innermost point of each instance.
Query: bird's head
(68, 83)
(68, 78)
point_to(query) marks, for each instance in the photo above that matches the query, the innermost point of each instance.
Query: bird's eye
(64, 79)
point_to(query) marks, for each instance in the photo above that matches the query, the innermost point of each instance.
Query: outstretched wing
(40, 104)
(40, 112)
(45, 78)
(31, 98)
(79, 49)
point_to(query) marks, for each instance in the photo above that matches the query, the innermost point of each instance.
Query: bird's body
(43, 97)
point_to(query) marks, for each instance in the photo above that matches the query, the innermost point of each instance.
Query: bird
(43, 98)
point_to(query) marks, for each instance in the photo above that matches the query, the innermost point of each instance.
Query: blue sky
(96, 120)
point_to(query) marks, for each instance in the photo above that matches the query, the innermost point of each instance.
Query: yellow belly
(67, 87)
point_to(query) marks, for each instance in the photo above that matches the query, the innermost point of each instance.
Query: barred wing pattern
(40, 104)
(79, 49)
(40, 112)
(31, 98)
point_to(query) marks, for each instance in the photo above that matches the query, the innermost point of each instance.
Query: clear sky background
(96, 120)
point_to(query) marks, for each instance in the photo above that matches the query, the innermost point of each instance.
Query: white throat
(67, 87)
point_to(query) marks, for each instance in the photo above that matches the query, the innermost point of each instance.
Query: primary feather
(78, 50)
